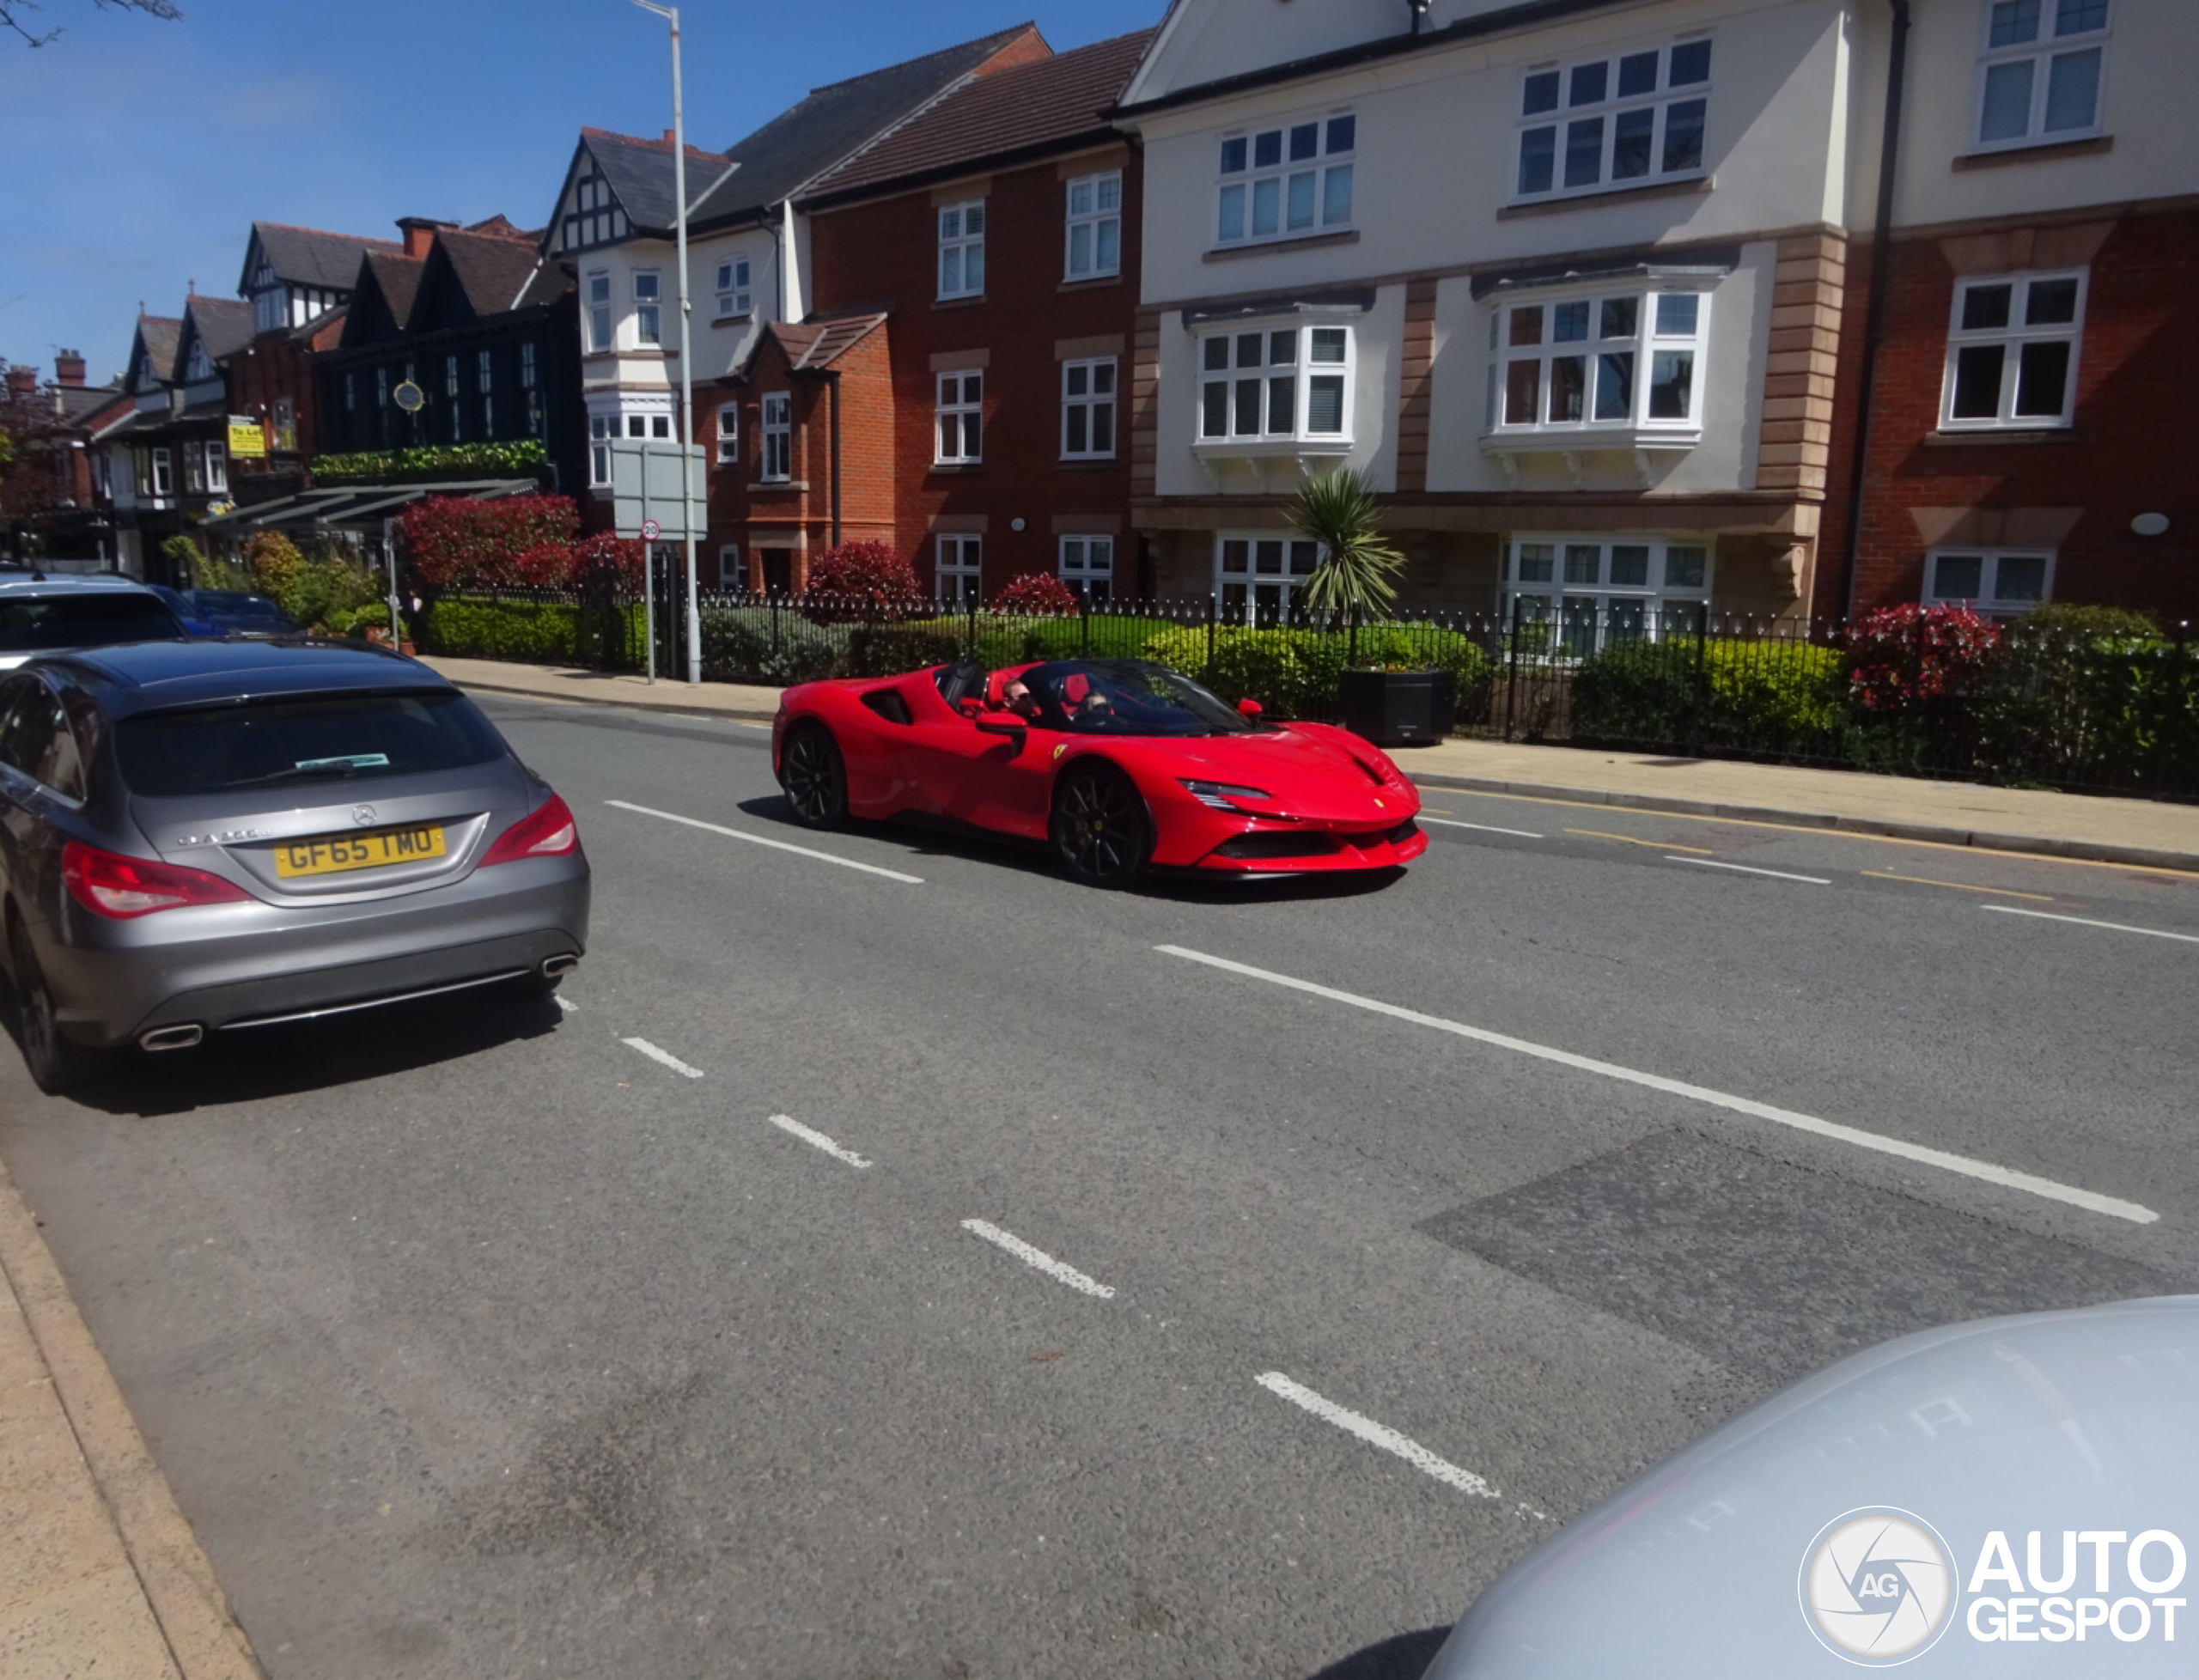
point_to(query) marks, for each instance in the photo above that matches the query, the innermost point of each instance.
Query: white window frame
(1661, 340)
(1263, 344)
(734, 294)
(1090, 405)
(777, 467)
(728, 445)
(194, 468)
(962, 249)
(218, 468)
(597, 218)
(163, 480)
(958, 568)
(1092, 236)
(1248, 190)
(601, 428)
(1988, 599)
(1582, 584)
(2039, 55)
(1085, 561)
(602, 329)
(649, 308)
(1566, 121)
(2013, 339)
(958, 426)
(1259, 575)
(200, 366)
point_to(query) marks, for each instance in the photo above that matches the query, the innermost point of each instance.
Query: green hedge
(542, 633)
(1722, 695)
(1300, 672)
(754, 644)
(523, 455)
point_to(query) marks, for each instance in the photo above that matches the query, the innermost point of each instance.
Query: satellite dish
(410, 397)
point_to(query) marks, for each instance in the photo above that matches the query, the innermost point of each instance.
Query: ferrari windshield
(1126, 697)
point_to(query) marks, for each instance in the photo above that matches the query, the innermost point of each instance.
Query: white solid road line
(2087, 922)
(664, 1056)
(776, 845)
(1375, 1434)
(1039, 1259)
(817, 1139)
(1486, 828)
(566, 1003)
(1744, 869)
(2007, 1177)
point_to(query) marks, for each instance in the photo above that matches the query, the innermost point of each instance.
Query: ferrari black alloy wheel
(1101, 826)
(814, 777)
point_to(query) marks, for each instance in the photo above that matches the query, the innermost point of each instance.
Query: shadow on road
(309, 1056)
(1406, 1657)
(936, 837)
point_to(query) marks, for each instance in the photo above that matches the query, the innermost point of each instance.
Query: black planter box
(1400, 707)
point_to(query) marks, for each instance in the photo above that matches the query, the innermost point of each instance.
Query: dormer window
(270, 309)
(146, 377)
(200, 366)
(596, 218)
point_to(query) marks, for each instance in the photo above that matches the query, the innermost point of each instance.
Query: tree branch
(12, 13)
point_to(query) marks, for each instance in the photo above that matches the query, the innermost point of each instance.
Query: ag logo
(363, 814)
(1878, 1586)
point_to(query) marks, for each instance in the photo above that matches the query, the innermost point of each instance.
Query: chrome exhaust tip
(554, 966)
(171, 1038)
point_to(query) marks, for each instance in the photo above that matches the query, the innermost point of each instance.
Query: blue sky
(139, 153)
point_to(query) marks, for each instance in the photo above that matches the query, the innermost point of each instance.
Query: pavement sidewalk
(2142, 832)
(100, 1574)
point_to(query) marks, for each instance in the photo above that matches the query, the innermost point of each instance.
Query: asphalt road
(975, 1275)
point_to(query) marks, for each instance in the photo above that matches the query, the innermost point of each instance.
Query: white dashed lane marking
(761, 840)
(1990, 1172)
(664, 1056)
(1038, 1259)
(817, 1140)
(1745, 869)
(1376, 1434)
(1485, 828)
(2087, 922)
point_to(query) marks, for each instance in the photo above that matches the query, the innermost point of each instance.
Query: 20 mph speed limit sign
(651, 531)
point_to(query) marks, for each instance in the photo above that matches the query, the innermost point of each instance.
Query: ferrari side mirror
(1250, 707)
(1002, 723)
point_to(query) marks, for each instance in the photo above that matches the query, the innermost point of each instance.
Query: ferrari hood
(1315, 770)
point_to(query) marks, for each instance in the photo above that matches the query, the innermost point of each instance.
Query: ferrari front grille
(1278, 845)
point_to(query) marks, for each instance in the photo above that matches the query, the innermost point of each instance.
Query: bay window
(601, 428)
(162, 481)
(2039, 74)
(2012, 352)
(1289, 384)
(1626, 361)
(1593, 590)
(1616, 121)
(728, 433)
(648, 306)
(778, 437)
(598, 310)
(218, 468)
(1288, 181)
(1258, 576)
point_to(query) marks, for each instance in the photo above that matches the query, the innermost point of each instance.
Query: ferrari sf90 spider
(1119, 765)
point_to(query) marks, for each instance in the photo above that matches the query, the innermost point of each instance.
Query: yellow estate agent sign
(246, 438)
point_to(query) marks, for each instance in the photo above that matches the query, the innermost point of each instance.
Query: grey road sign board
(645, 485)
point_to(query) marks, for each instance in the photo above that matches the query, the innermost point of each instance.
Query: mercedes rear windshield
(361, 738)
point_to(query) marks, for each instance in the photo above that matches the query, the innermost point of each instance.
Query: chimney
(68, 367)
(669, 136)
(420, 232)
(22, 380)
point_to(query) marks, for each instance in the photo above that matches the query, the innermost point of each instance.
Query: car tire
(56, 1064)
(814, 777)
(1101, 831)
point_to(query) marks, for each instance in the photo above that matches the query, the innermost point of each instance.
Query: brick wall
(2128, 451)
(883, 255)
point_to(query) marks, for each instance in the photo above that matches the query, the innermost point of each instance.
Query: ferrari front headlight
(1221, 795)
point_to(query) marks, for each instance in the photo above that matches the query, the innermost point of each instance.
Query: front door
(778, 570)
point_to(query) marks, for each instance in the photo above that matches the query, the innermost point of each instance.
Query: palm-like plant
(1356, 579)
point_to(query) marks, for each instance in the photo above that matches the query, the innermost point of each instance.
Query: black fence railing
(2095, 711)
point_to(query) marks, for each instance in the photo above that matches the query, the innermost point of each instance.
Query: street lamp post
(686, 347)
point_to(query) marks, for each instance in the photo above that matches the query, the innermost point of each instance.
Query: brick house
(52, 504)
(995, 237)
(748, 251)
(2030, 402)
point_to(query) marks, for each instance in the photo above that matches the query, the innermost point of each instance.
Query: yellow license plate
(331, 854)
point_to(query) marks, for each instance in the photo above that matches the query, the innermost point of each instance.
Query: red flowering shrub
(860, 582)
(452, 543)
(544, 566)
(1036, 593)
(1900, 657)
(604, 558)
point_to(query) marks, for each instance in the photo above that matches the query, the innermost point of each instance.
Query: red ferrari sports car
(1121, 765)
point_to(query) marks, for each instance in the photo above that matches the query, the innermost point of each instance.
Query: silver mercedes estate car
(200, 837)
